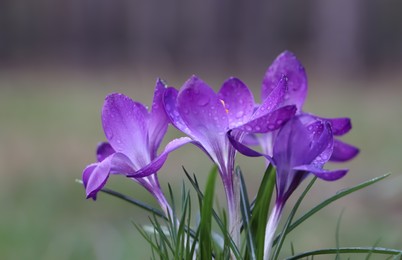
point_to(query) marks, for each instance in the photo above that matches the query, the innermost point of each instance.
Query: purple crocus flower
(286, 64)
(133, 136)
(302, 146)
(207, 117)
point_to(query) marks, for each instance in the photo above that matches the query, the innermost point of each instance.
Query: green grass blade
(206, 218)
(285, 229)
(328, 201)
(261, 208)
(348, 250)
(246, 213)
(138, 203)
(221, 225)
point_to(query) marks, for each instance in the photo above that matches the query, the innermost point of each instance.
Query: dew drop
(257, 128)
(248, 128)
(203, 101)
(271, 126)
(239, 113)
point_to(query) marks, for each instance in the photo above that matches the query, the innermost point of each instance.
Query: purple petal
(246, 150)
(104, 150)
(340, 126)
(343, 152)
(298, 144)
(125, 125)
(287, 64)
(95, 175)
(238, 101)
(328, 175)
(270, 121)
(170, 104)
(158, 162)
(274, 99)
(158, 121)
(250, 139)
(201, 109)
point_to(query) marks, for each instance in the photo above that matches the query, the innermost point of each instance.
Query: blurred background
(58, 59)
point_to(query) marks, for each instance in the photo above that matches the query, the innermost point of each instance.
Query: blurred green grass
(50, 126)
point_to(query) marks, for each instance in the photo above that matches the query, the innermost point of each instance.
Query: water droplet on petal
(248, 128)
(257, 128)
(203, 101)
(239, 113)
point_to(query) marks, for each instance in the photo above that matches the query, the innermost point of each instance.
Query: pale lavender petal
(201, 109)
(287, 64)
(328, 175)
(250, 139)
(125, 125)
(246, 150)
(270, 121)
(158, 162)
(274, 99)
(96, 175)
(170, 104)
(158, 121)
(238, 101)
(343, 152)
(103, 151)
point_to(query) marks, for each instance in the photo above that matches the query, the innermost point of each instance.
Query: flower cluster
(295, 142)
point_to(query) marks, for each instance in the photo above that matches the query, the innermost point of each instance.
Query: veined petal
(328, 175)
(287, 64)
(343, 152)
(274, 99)
(238, 101)
(158, 121)
(103, 151)
(201, 109)
(125, 125)
(170, 104)
(158, 162)
(269, 122)
(95, 175)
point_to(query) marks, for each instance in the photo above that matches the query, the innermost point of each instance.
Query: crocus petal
(287, 64)
(103, 151)
(328, 175)
(270, 121)
(340, 126)
(170, 104)
(95, 175)
(299, 144)
(343, 152)
(246, 150)
(274, 99)
(238, 101)
(158, 162)
(158, 121)
(250, 139)
(201, 109)
(125, 125)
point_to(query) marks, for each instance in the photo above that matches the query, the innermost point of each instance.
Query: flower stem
(270, 229)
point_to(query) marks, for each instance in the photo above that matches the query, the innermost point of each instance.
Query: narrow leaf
(246, 213)
(261, 208)
(206, 218)
(348, 250)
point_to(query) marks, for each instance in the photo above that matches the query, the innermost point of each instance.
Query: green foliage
(172, 237)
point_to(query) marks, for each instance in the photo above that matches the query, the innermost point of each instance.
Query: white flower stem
(270, 229)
